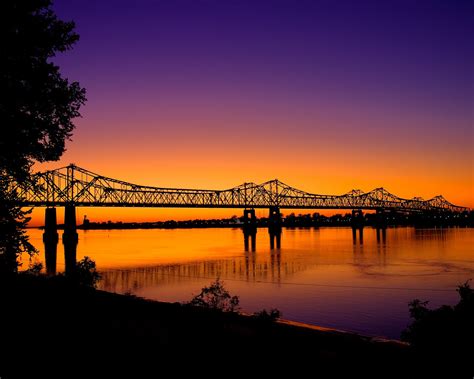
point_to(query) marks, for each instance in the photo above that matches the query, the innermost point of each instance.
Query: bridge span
(73, 186)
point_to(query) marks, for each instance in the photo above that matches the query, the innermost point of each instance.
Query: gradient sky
(324, 95)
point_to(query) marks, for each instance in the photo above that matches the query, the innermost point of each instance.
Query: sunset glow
(323, 106)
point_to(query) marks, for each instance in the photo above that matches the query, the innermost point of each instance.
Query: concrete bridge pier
(357, 223)
(274, 227)
(250, 222)
(70, 239)
(50, 240)
(380, 219)
(250, 229)
(380, 223)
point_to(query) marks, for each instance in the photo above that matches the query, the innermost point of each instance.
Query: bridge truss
(73, 185)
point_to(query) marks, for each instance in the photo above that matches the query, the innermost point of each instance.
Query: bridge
(73, 186)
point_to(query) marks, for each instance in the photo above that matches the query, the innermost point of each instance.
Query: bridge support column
(250, 222)
(274, 227)
(250, 228)
(70, 239)
(357, 222)
(380, 219)
(50, 240)
(380, 223)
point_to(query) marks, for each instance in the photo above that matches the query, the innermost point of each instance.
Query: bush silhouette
(216, 297)
(444, 335)
(86, 273)
(270, 316)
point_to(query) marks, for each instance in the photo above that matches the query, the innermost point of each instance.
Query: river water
(318, 276)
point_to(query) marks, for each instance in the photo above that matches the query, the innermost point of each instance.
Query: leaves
(216, 297)
(37, 108)
(86, 272)
(444, 332)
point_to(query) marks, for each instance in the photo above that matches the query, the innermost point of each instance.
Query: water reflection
(50, 252)
(439, 234)
(253, 240)
(382, 232)
(312, 275)
(250, 268)
(275, 239)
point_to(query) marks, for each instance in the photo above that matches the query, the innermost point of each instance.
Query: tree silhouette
(443, 336)
(37, 106)
(216, 297)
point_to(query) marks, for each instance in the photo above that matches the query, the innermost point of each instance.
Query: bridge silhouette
(73, 185)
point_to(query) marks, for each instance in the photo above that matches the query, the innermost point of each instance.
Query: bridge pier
(250, 222)
(357, 222)
(50, 240)
(380, 219)
(380, 223)
(250, 229)
(70, 239)
(274, 227)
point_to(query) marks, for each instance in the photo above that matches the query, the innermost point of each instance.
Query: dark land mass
(53, 327)
(47, 323)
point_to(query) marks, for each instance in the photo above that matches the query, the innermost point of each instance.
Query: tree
(86, 273)
(37, 107)
(216, 297)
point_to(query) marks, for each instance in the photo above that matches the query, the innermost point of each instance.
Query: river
(318, 276)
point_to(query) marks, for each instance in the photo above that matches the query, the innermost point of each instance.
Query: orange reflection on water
(320, 276)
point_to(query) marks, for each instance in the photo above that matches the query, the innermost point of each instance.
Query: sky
(326, 96)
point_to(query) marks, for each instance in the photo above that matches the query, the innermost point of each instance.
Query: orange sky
(326, 99)
(317, 165)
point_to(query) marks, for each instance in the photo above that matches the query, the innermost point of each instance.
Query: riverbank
(390, 219)
(74, 320)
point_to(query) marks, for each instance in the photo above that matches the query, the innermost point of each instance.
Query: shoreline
(71, 315)
(77, 321)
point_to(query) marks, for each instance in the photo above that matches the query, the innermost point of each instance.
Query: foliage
(216, 297)
(86, 273)
(13, 239)
(271, 315)
(444, 333)
(35, 269)
(37, 106)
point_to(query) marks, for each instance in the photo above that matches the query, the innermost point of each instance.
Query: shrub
(215, 296)
(444, 335)
(270, 316)
(86, 273)
(34, 268)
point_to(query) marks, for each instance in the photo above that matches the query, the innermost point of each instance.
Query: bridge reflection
(273, 267)
(261, 257)
(250, 248)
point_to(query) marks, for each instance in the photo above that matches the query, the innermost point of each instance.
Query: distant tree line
(301, 220)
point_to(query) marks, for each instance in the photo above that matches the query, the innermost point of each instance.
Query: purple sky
(354, 94)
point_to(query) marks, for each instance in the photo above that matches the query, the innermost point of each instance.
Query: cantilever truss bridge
(74, 185)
